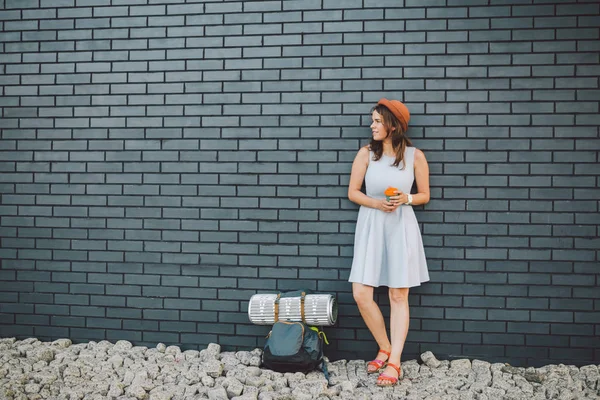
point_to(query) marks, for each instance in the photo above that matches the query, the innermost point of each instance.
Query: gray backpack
(293, 346)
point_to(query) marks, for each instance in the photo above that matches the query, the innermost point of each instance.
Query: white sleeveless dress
(388, 249)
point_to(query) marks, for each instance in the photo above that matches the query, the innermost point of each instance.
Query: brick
(460, 337)
(509, 315)
(552, 316)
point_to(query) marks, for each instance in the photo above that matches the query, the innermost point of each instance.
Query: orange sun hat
(398, 109)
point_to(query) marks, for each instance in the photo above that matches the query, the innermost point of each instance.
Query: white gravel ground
(30, 369)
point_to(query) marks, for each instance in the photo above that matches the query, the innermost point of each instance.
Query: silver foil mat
(319, 309)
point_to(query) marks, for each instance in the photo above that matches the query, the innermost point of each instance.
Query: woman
(388, 249)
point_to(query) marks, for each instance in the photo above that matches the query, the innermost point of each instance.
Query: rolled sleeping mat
(261, 309)
(319, 309)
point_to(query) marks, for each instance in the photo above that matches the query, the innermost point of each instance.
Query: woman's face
(377, 128)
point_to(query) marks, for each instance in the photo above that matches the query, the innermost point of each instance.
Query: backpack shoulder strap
(325, 370)
(277, 307)
(302, 314)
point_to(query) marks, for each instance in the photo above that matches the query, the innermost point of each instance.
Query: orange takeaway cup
(390, 191)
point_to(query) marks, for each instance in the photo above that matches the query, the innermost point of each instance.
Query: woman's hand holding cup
(393, 198)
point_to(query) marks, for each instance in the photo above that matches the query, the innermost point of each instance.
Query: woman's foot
(391, 375)
(378, 362)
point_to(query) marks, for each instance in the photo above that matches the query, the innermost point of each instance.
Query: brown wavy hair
(398, 132)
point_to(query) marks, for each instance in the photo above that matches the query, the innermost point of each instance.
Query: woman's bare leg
(369, 310)
(399, 321)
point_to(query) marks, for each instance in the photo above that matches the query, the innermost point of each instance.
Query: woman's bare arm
(357, 176)
(422, 179)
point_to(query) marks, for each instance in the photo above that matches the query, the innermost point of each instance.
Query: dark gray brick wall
(161, 161)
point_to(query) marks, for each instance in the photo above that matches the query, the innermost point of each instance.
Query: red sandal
(378, 364)
(391, 380)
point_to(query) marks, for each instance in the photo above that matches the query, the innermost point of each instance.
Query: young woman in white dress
(388, 249)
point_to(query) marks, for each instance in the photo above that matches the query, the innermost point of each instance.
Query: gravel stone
(173, 350)
(137, 391)
(212, 351)
(461, 367)
(256, 381)
(234, 388)
(218, 394)
(208, 381)
(213, 368)
(250, 396)
(191, 354)
(430, 360)
(122, 345)
(244, 357)
(255, 361)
